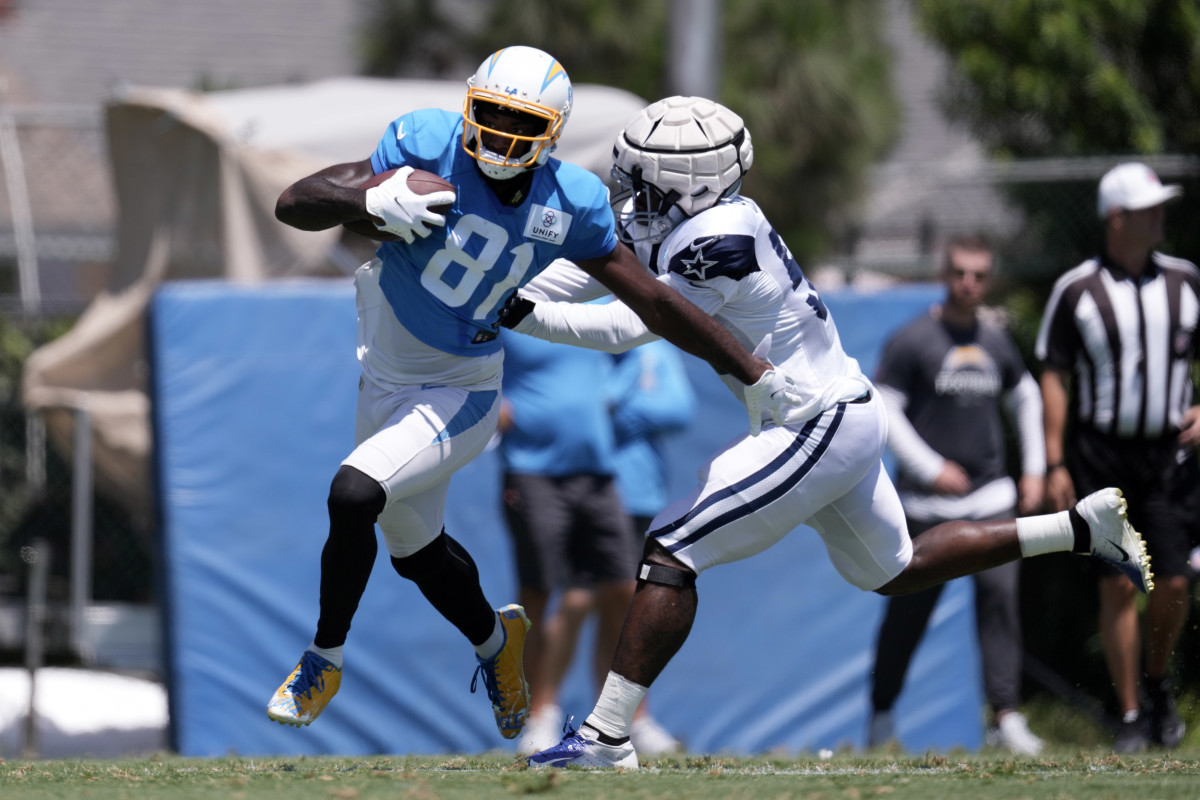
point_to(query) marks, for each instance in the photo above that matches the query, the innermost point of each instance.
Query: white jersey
(730, 262)
(822, 467)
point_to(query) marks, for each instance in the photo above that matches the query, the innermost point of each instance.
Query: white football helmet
(522, 79)
(676, 158)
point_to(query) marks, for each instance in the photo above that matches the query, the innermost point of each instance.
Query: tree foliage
(1073, 77)
(811, 80)
(1065, 78)
(412, 38)
(18, 339)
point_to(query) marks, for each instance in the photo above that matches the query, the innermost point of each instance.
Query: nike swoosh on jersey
(699, 244)
(400, 134)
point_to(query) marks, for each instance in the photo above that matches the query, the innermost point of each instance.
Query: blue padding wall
(254, 410)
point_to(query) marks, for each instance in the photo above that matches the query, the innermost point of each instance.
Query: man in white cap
(1123, 326)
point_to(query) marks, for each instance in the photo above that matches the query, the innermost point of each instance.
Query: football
(420, 181)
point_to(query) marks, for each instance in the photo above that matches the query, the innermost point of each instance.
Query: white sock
(619, 699)
(331, 654)
(494, 642)
(1046, 533)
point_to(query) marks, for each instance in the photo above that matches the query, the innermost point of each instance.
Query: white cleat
(651, 739)
(1113, 539)
(1012, 734)
(543, 729)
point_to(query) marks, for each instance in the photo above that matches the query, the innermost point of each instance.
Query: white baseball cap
(1133, 187)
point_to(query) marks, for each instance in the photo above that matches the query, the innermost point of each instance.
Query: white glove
(774, 391)
(404, 212)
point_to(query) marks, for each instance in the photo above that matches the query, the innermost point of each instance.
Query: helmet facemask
(642, 210)
(515, 151)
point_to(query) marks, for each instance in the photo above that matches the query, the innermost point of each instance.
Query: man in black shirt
(945, 379)
(1120, 332)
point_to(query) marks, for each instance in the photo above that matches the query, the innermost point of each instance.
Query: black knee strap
(667, 576)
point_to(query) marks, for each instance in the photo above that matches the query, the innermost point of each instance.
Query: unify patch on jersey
(547, 224)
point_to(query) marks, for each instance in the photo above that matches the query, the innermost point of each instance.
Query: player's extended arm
(673, 317)
(563, 281)
(326, 198)
(612, 328)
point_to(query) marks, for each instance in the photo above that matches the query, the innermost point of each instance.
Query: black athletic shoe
(1166, 728)
(1132, 738)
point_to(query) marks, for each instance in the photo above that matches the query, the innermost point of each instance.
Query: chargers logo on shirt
(547, 224)
(968, 371)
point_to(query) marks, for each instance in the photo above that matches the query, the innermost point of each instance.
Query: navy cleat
(578, 750)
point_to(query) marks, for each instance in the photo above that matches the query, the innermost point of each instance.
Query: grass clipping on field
(1074, 776)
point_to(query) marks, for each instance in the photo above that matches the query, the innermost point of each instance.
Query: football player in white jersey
(681, 162)
(429, 307)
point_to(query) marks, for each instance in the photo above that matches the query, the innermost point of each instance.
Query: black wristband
(1079, 527)
(516, 309)
(1051, 467)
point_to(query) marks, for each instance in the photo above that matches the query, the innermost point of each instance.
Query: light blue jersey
(560, 419)
(650, 397)
(448, 288)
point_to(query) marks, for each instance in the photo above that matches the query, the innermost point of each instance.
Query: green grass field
(1076, 766)
(1062, 776)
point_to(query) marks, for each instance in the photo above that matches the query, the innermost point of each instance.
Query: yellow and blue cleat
(504, 674)
(306, 692)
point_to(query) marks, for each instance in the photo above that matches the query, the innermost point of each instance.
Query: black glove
(515, 309)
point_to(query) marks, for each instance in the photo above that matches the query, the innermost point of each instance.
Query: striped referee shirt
(1128, 341)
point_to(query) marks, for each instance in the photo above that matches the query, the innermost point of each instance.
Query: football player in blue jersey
(681, 162)
(429, 307)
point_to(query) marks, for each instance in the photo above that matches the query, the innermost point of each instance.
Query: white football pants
(412, 440)
(825, 473)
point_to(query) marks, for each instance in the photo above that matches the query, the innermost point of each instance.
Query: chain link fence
(1041, 215)
(57, 194)
(57, 215)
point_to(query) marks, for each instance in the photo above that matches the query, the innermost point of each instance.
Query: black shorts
(570, 531)
(1161, 483)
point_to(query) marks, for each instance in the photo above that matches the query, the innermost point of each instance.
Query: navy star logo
(698, 265)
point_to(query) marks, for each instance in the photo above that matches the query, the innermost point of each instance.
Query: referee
(1118, 339)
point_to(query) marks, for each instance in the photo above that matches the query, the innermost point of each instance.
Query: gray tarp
(196, 178)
